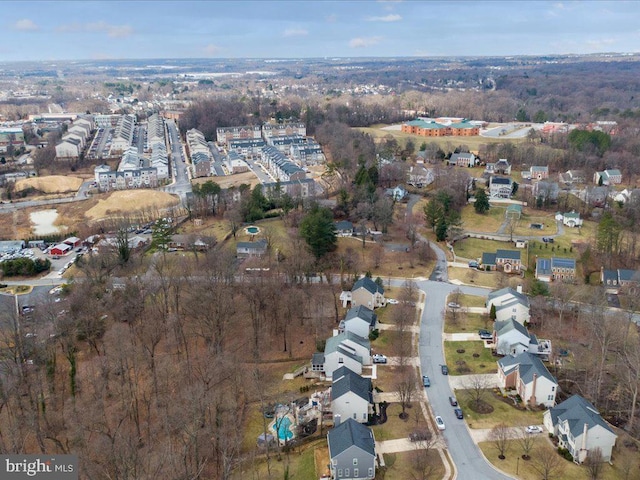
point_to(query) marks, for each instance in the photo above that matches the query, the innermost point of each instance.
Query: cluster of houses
(134, 171)
(576, 423)
(199, 152)
(75, 140)
(346, 355)
(442, 127)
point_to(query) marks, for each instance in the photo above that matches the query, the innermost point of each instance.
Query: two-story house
(364, 292)
(509, 261)
(538, 172)
(510, 337)
(555, 268)
(580, 428)
(351, 395)
(500, 187)
(569, 219)
(620, 279)
(352, 451)
(608, 177)
(344, 350)
(526, 374)
(463, 160)
(509, 304)
(359, 320)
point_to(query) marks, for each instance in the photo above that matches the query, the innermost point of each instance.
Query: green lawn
(473, 248)
(399, 466)
(395, 427)
(526, 471)
(484, 363)
(488, 223)
(502, 412)
(471, 300)
(471, 276)
(467, 322)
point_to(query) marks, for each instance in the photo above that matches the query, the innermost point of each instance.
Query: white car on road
(440, 423)
(534, 429)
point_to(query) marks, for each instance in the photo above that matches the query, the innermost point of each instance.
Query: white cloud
(113, 31)
(26, 25)
(363, 42)
(295, 32)
(392, 17)
(211, 50)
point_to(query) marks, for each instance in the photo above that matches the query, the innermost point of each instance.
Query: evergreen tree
(482, 201)
(318, 231)
(441, 229)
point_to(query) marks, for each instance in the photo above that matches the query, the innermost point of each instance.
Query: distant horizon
(136, 30)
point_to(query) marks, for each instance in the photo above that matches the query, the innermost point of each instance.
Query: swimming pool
(282, 427)
(252, 230)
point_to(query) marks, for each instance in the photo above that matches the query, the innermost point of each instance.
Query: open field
(395, 427)
(128, 201)
(448, 144)
(488, 223)
(465, 363)
(471, 276)
(467, 322)
(472, 248)
(228, 181)
(399, 466)
(50, 184)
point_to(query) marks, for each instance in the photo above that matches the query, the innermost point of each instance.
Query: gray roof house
(614, 280)
(351, 395)
(346, 350)
(251, 249)
(352, 451)
(526, 374)
(510, 304)
(344, 228)
(364, 292)
(359, 320)
(512, 338)
(580, 428)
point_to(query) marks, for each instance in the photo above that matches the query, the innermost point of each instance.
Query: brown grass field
(50, 184)
(128, 201)
(227, 181)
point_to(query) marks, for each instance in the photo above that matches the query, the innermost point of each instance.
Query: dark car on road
(444, 369)
(453, 401)
(547, 239)
(425, 381)
(485, 334)
(458, 413)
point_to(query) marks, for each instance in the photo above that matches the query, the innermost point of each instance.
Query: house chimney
(533, 394)
(585, 429)
(336, 420)
(519, 288)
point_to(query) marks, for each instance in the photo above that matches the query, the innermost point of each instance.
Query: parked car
(379, 358)
(473, 264)
(547, 239)
(444, 369)
(534, 429)
(453, 305)
(440, 423)
(458, 413)
(425, 381)
(485, 334)
(392, 301)
(453, 401)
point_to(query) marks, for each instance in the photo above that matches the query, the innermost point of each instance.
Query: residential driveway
(388, 326)
(461, 337)
(482, 434)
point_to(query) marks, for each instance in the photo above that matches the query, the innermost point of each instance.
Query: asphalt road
(181, 184)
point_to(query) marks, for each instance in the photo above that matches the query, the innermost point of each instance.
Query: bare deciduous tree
(526, 442)
(499, 436)
(594, 463)
(406, 388)
(548, 463)
(477, 388)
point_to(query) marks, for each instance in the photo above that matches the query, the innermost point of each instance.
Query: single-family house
(500, 187)
(368, 293)
(539, 172)
(580, 428)
(251, 249)
(463, 160)
(346, 350)
(351, 395)
(420, 176)
(352, 451)
(359, 320)
(508, 261)
(614, 280)
(555, 268)
(571, 177)
(344, 228)
(545, 191)
(526, 374)
(510, 337)
(500, 167)
(509, 304)
(571, 219)
(398, 193)
(596, 196)
(608, 177)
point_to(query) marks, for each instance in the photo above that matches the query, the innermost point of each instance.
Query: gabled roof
(543, 266)
(575, 215)
(348, 434)
(362, 312)
(344, 225)
(345, 381)
(317, 358)
(536, 168)
(528, 366)
(259, 244)
(368, 284)
(577, 411)
(464, 156)
(508, 254)
(333, 343)
(507, 326)
(500, 181)
(509, 291)
(488, 258)
(626, 275)
(562, 262)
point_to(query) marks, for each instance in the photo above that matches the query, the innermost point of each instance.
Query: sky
(78, 30)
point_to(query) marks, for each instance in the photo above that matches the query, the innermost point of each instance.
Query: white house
(608, 177)
(350, 395)
(569, 219)
(420, 176)
(526, 374)
(510, 337)
(580, 428)
(510, 304)
(346, 349)
(359, 320)
(500, 187)
(69, 147)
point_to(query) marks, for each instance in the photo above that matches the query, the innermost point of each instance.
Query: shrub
(565, 453)
(374, 334)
